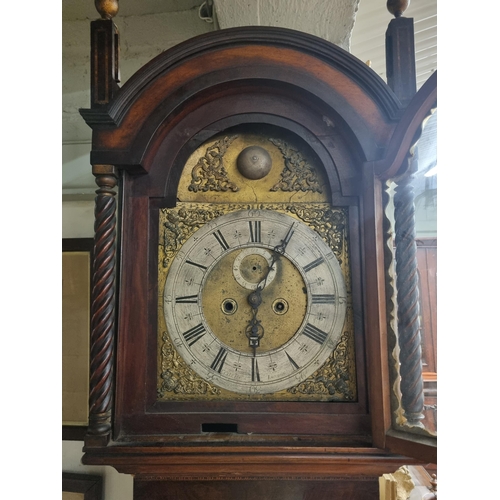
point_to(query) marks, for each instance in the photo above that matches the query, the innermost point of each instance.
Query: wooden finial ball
(397, 7)
(107, 8)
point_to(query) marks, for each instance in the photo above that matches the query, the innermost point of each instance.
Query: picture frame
(77, 486)
(77, 257)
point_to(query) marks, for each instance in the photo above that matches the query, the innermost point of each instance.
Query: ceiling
(85, 9)
(367, 39)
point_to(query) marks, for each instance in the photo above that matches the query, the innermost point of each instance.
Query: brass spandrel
(209, 173)
(297, 174)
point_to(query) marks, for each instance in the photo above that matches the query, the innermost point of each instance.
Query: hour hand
(255, 299)
(254, 330)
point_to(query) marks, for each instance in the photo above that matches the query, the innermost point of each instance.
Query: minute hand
(280, 248)
(277, 251)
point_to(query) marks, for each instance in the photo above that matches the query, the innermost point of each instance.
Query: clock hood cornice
(259, 59)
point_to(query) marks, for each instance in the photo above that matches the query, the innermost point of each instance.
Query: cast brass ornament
(177, 377)
(254, 162)
(209, 174)
(179, 224)
(333, 377)
(330, 224)
(298, 174)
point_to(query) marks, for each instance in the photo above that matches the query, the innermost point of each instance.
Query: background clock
(255, 302)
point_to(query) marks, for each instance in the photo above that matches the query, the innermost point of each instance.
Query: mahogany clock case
(215, 111)
(212, 84)
(177, 417)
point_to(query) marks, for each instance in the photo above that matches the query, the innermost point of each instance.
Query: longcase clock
(239, 310)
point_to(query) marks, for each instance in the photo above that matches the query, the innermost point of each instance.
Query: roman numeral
(323, 299)
(313, 264)
(188, 299)
(255, 371)
(221, 240)
(292, 362)
(194, 334)
(254, 231)
(315, 334)
(195, 264)
(219, 360)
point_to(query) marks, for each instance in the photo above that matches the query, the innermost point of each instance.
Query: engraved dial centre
(252, 265)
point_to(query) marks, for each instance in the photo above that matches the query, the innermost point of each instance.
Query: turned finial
(107, 8)
(397, 7)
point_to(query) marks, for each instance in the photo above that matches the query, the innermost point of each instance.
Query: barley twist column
(410, 357)
(102, 309)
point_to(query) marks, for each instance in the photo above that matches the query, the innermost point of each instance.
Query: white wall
(78, 219)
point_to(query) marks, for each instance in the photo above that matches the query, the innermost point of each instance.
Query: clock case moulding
(143, 134)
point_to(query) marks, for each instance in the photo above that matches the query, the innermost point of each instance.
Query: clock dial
(255, 301)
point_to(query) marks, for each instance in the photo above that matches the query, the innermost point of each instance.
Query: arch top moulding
(262, 63)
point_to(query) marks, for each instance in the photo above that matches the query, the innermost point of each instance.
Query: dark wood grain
(409, 128)
(103, 298)
(375, 308)
(400, 58)
(230, 58)
(278, 38)
(367, 489)
(103, 62)
(427, 268)
(420, 447)
(191, 460)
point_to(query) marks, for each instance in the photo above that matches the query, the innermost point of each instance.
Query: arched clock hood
(293, 71)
